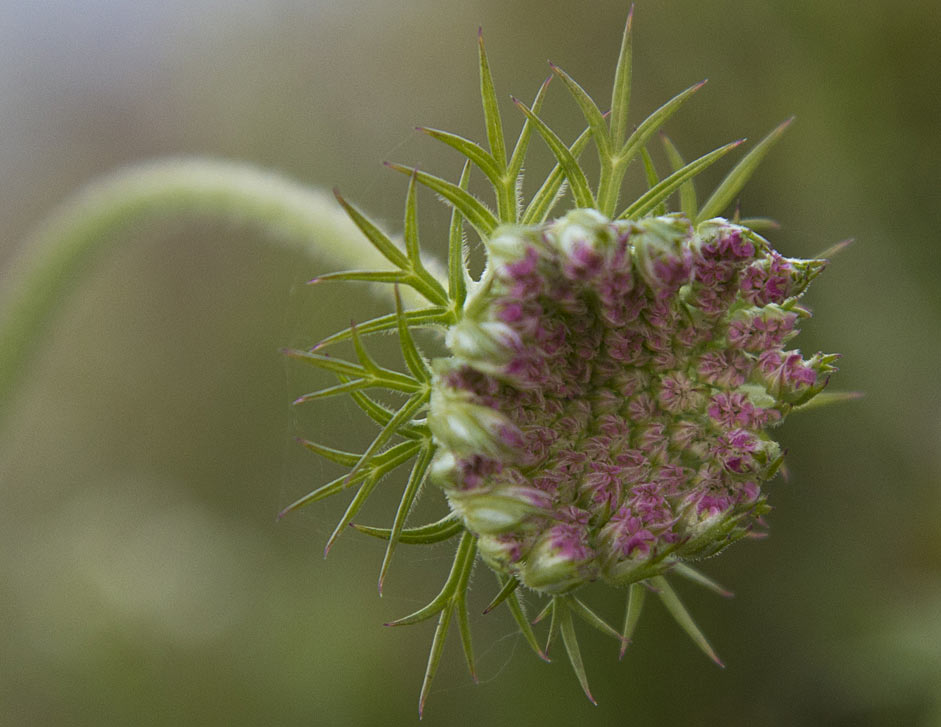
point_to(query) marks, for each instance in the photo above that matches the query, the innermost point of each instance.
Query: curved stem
(107, 213)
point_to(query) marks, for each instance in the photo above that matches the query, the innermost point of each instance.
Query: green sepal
(681, 616)
(474, 211)
(347, 459)
(650, 171)
(826, 398)
(508, 588)
(650, 199)
(701, 579)
(488, 96)
(761, 224)
(570, 168)
(621, 92)
(474, 152)
(553, 609)
(835, 249)
(436, 532)
(522, 143)
(415, 480)
(362, 355)
(593, 115)
(591, 618)
(434, 316)
(377, 237)
(366, 276)
(519, 615)
(434, 656)
(381, 415)
(457, 263)
(544, 200)
(381, 465)
(378, 376)
(570, 640)
(638, 140)
(689, 205)
(413, 359)
(408, 409)
(356, 504)
(466, 549)
(345, 388)
(734, 181)
(637, 592)
(455, 589)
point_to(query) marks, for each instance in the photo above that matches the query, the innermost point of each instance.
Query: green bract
(603, 412)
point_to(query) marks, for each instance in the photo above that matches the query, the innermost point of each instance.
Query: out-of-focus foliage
(143, 579)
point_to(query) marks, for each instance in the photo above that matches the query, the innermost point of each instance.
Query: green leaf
(664, 189)
(570, 168)
(638, 140)
(729, 187)
(681, 616)
(635, 604)
(415, 480)
(593, 115)
(621, 93)
(436, 532)
(474, 211)
(571, 648)
(544, 200)
(488, 96)
(378, 238)
(474, 152)
(688, 202)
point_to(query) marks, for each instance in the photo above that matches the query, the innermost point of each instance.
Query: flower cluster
(605, 410)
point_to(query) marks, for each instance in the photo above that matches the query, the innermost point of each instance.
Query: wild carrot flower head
(605, 407)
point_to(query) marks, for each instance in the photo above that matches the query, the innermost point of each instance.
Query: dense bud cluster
(605, 410)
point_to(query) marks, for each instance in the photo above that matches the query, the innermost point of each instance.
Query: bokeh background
(143, 578)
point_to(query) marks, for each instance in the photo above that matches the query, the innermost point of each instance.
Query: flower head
(609, 394)
(603, 411)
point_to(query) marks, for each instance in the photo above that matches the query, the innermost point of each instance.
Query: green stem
(109, 211)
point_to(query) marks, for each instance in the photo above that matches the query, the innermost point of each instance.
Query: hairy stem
(108, 212)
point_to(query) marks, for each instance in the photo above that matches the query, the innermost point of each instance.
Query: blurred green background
(143, 579)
